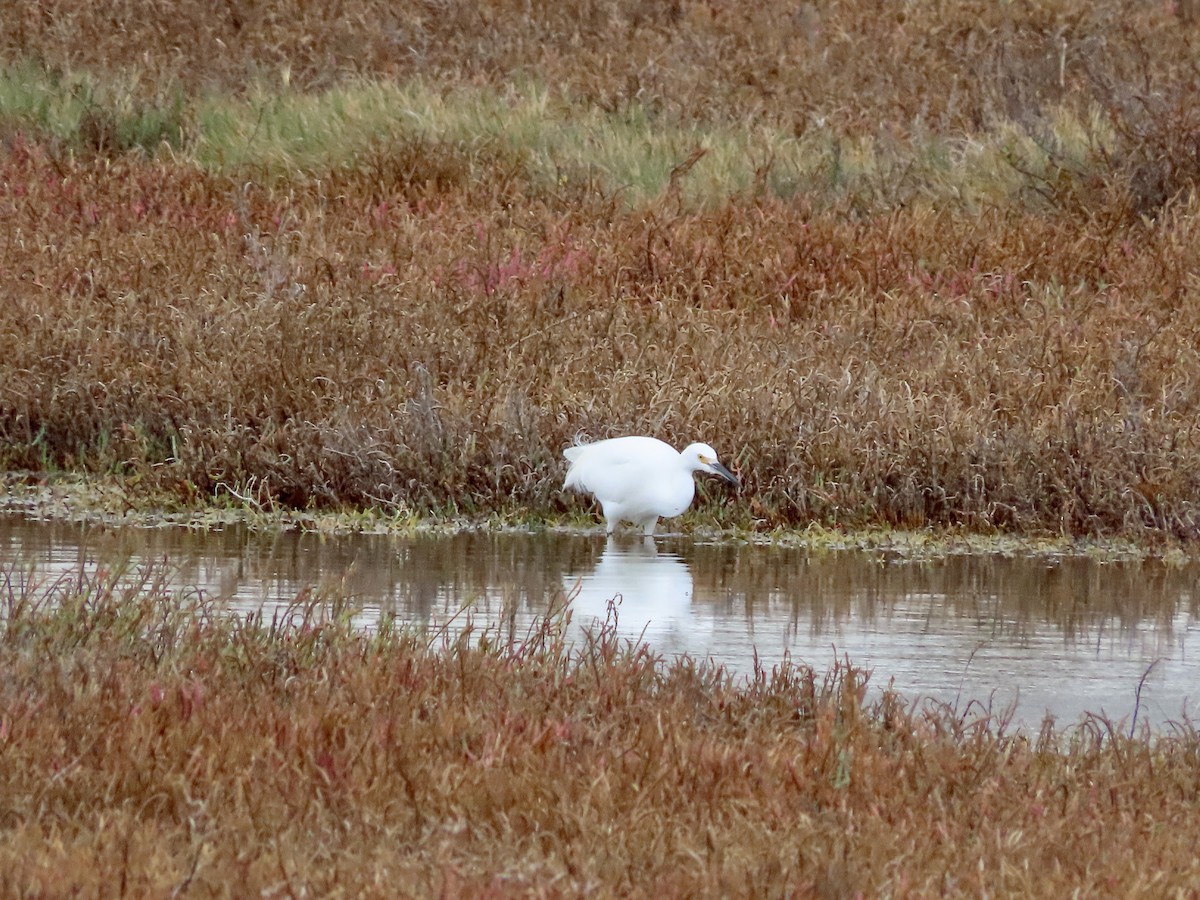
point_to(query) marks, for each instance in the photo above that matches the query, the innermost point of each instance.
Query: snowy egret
(639, 479)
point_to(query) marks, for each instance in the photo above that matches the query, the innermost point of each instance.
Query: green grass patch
(630, 152)
(108, 117)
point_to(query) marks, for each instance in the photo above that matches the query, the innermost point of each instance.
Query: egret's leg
(611, 518)
(648, 527)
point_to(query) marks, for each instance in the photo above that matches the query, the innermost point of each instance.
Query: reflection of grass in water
(149, 740)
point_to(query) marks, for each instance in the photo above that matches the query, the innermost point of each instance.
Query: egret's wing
(605, 475)
(616, 468)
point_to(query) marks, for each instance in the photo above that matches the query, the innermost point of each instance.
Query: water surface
(1058, 636)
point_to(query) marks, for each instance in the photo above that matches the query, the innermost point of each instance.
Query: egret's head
(703, 458)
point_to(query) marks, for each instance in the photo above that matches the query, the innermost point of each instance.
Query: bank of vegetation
(930, 265)
(151, 745)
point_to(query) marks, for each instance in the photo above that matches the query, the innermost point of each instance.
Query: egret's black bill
(719, 469)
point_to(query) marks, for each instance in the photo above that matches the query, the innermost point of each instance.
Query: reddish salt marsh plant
(151, 741)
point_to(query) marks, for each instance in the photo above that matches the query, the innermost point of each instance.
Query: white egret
(640, 479)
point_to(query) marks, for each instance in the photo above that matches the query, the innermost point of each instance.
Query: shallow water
(1041, 636)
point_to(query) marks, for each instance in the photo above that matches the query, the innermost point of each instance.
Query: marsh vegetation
(914, 265)
(153, 744)
(933, 266)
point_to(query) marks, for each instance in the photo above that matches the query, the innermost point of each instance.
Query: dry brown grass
(369, 338)
(426, 327)
(152, 747)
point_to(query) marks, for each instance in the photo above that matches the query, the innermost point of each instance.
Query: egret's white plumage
(640, 479)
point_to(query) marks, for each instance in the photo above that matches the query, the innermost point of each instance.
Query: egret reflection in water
(651, 592)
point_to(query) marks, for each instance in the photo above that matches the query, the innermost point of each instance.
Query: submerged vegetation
(151, 743)
(933, 266)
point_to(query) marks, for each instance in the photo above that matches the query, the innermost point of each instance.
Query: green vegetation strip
(630, 152)
(115, 503)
